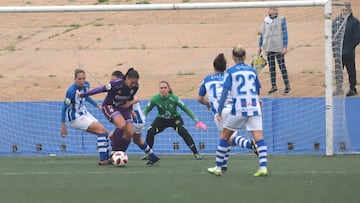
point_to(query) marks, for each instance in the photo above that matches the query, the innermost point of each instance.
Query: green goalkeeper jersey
(167, 107)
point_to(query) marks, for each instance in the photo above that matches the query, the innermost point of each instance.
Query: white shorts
(83, 122)
(224, 115)
(251, 123)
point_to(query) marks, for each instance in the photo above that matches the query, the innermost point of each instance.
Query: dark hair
(77, 71)
(167, 83)
(117, 74)
(131, 73)
(220, 63)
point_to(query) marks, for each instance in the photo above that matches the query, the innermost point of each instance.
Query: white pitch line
(121, 171)
(127, 172)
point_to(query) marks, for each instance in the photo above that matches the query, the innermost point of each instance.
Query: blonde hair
(239, 52)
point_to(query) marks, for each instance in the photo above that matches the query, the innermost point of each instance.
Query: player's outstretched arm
(63, 130)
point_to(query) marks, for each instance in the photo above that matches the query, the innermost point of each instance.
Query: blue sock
(102, 146)
(146, 148)
(262, 148)
(221, 151)
(241, 142)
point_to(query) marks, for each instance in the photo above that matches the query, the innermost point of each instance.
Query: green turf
(292, 179)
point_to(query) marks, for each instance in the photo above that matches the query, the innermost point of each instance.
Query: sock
(226, 158)
(221, 151)
(262, 148)
(192, 147)
(102, 146)
(241, 142)
(146, 148)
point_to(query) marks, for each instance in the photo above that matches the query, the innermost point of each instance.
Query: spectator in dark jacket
(346, 31)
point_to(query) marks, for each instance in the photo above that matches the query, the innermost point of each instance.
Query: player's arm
(201, 96)
(222, 102)
(150, 105)
(69, 97)
(101, 89)
(224, 94)
(93, 102)
(191, 114)
(96, 90)
(129, 104)
(186, 110)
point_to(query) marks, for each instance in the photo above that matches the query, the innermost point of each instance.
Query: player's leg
(219, 125)
(254, 124)
(118, 141)
(272, 71)
(281, 62)
(157, 126)
(231, 124)
(90, 124)
(178, 125)
(138, 127)
(221, 151)
(121, 118)
(224, 166)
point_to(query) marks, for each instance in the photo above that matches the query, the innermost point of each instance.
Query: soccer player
(75, 111)
(212, 87)
(117, 105)
(244, 85)
(168, 116)
(139, 123)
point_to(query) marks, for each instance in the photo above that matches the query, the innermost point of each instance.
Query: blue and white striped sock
(221, 152)
(146, 148)
(103, 146)
(241, 142)
(262, 148)
(226, 158)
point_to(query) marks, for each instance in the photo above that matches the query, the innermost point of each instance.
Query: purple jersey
(118, 92)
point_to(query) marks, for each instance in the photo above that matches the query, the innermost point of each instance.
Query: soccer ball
(119, 158)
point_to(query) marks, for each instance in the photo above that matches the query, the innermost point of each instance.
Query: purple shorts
(111, 112)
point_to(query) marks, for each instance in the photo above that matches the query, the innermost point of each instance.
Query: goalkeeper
(168, 116)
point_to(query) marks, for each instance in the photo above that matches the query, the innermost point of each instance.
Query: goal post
(328, 56)
(164, 6)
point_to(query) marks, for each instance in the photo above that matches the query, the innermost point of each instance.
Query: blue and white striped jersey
(244, 86)
(74, 106)
(212, 85)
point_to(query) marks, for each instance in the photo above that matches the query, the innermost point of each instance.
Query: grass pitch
(180, 179)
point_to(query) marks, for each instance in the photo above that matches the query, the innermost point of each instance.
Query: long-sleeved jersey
(117, 92)
(167, 107)
(74, 106)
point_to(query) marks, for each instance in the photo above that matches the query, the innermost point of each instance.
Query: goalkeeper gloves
(201, 125)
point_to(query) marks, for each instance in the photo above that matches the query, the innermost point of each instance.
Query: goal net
(40, 50)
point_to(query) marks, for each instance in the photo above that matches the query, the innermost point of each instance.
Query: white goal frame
(326, 4)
